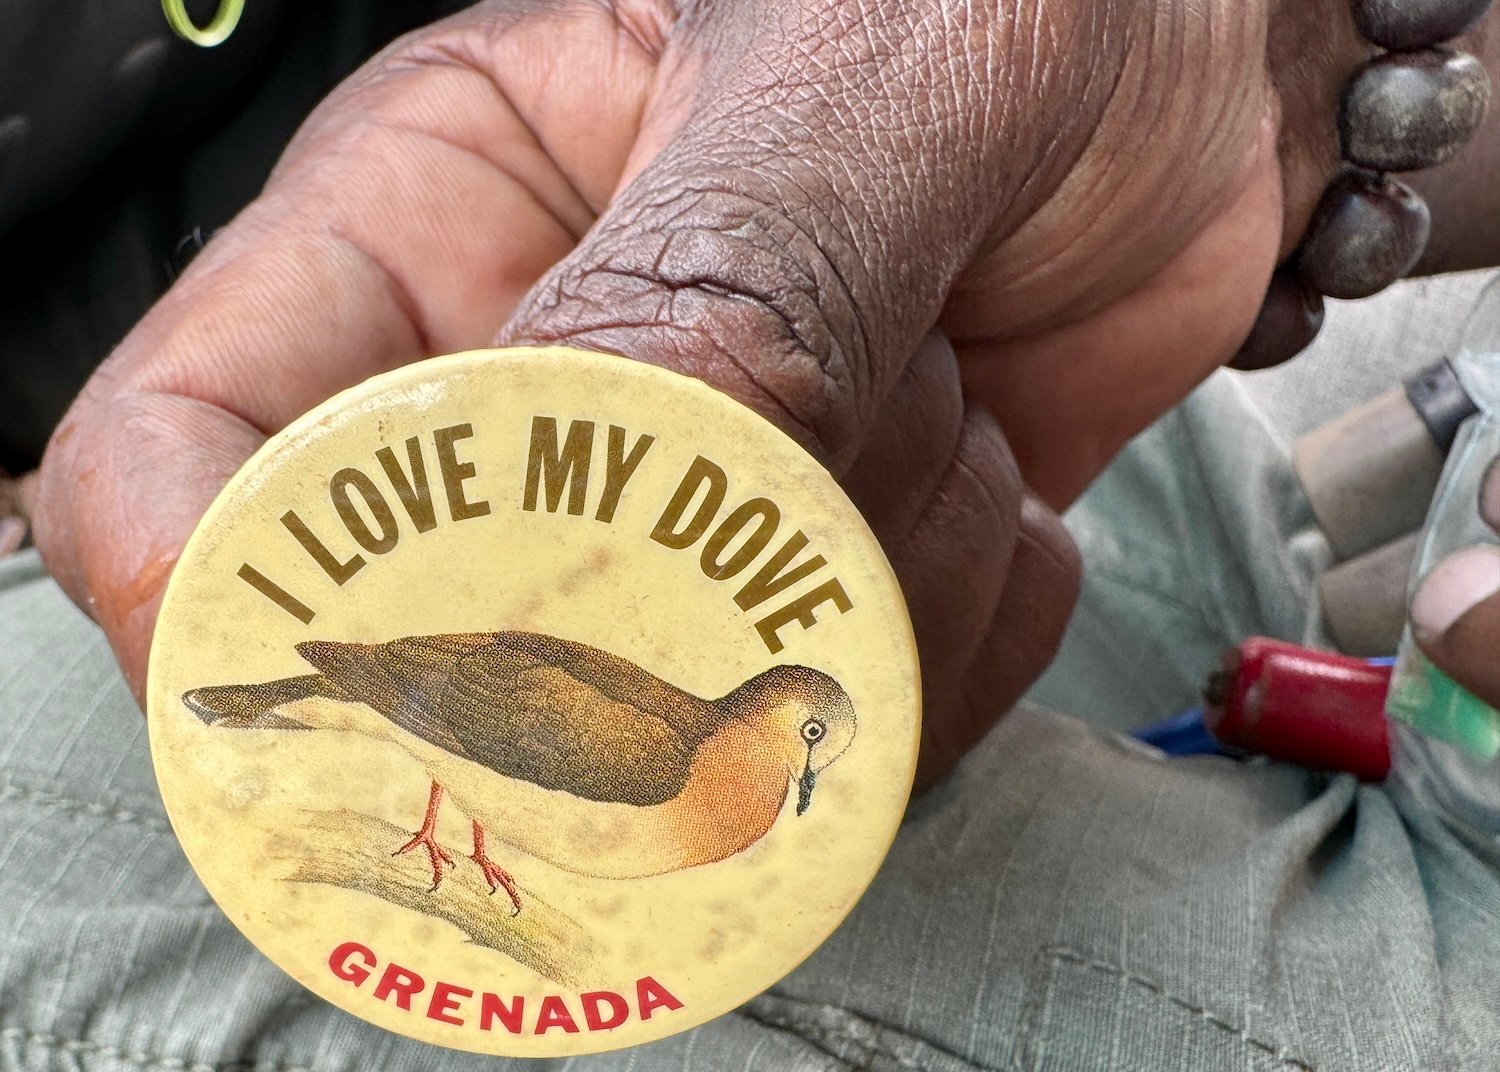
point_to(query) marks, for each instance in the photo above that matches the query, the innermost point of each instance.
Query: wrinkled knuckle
(467, 39)
(727, 287)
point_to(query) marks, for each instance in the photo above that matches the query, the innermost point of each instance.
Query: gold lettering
(801, 610)
(702, 473)
(456, 472)
(567, 467)
(326, 560)
(618, 468)
(414, 491)
(276, 594)
(769, 580)
(338, 492)
(718, 568)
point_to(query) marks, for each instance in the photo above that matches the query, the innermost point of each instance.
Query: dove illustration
(562, 750)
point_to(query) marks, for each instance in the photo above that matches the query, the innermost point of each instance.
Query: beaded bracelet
(1413, 107)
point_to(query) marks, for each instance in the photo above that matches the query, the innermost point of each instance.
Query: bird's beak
(805, 786)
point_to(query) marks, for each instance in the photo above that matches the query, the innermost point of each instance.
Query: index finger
(408, 217)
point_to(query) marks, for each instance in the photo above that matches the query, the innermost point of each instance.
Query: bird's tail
(255, 706)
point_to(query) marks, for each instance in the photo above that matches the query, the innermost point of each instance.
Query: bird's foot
(437, 856)
(493, 873)
(497, 876)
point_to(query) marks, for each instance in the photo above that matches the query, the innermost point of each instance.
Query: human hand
(782, 198)
(1455, 613)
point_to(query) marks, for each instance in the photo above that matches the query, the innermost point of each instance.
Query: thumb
(791, 242)
(792, 239)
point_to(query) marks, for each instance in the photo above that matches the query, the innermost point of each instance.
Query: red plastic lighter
(1312, 708)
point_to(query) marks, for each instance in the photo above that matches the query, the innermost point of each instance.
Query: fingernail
(1453, 587)
(1489, 495)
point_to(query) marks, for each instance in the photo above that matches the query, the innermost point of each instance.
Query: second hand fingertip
(1489, 495)
(1453, 588)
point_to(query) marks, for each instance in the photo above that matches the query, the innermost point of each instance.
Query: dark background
(117, 141)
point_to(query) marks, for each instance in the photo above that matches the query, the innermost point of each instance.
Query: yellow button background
(253, 807)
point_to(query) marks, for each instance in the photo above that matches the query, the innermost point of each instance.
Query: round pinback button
(534, 702)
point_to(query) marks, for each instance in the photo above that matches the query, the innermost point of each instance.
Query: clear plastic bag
(1446, 740)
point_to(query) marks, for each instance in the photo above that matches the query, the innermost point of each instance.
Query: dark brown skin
(783, 198)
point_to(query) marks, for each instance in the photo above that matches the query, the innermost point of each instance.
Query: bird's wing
(559, 714)
(400, 679)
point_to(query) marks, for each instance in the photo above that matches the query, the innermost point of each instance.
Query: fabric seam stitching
(141, 1058)
(1105, 967)
(72, 806)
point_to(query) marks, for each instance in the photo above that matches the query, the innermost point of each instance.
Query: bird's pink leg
(494, 874)
(436, 854)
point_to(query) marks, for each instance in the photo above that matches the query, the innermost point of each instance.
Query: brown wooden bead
(1403, 25)
(1412, 110)
(1289, 320)
(1367, 232)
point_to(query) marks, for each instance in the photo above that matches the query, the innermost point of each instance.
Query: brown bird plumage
(633, 775)
(558, 714)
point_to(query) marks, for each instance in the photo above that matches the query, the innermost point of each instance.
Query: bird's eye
(812, 732)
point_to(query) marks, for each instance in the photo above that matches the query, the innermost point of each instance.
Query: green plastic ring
(215, 33)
